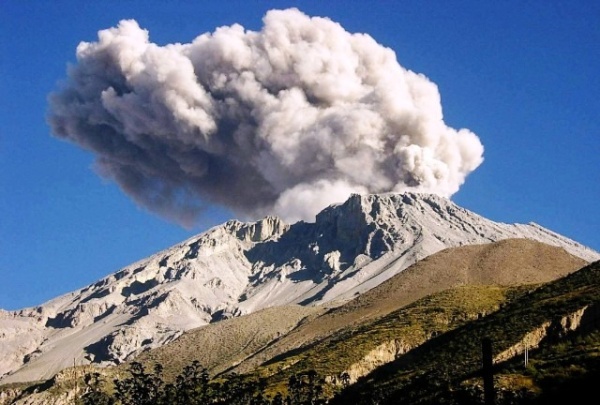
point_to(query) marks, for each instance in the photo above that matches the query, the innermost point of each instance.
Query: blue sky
(523, 76)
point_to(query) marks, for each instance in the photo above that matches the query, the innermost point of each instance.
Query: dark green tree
(141, 388)
(345, 379)
(305, 389)
(238, 390)
(191, 387)
(278, 399)
(95, 393)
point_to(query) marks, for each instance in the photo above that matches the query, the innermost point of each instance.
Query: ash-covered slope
(239, 268)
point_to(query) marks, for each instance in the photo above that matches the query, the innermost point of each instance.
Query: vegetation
(412, 326)
(194, 387)
(447, 369)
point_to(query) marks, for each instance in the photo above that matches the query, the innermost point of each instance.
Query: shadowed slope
(559, 323)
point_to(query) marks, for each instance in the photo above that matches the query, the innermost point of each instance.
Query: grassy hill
(560, 319)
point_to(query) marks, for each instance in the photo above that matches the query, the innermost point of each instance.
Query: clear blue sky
(524, 76)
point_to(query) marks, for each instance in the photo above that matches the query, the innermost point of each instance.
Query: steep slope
(558, 322)
(238, 268)
(358, 350)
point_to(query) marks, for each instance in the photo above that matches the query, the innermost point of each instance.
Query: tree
(141, 388)
(306, 389)
(191, 386)
(345, 378)
(95, 392)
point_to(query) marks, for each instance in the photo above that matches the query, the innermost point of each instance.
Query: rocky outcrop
(65, 388)
(267, 228)
(382, 354)
(585, 318)
(530, 341)
(8, 395)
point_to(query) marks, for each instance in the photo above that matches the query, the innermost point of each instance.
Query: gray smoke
(282, 121)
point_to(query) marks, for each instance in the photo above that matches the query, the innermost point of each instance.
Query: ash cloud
(285, 120)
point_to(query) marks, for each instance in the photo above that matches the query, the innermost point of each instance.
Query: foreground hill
(240, 268)
(559, 324)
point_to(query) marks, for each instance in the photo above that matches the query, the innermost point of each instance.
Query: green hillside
(447, 369)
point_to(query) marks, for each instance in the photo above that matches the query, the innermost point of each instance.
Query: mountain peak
(358, 207)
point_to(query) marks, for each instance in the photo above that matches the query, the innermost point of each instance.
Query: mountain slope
(506, 263)
(222, 345)
(511, 262)
(559, 323)
(422, 336)
(238, 268)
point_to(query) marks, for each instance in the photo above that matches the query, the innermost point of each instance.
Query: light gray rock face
(238, 268)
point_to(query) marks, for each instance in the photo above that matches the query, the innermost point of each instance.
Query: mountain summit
(238, 268)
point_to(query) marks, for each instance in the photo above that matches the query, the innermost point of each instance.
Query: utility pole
(488, 372)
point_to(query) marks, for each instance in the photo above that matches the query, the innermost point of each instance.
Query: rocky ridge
(238, 268)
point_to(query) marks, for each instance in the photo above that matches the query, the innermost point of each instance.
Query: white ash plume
(281, 121)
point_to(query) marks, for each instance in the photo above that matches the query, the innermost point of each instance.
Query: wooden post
(488, 372)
